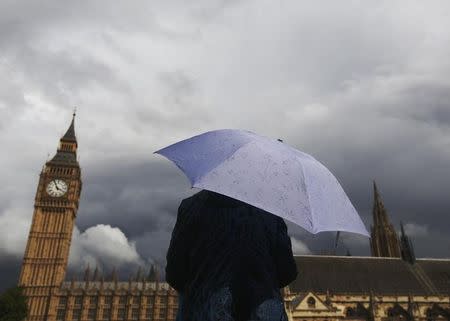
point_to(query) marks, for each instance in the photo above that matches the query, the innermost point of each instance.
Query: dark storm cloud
(9, 271)
(138, 197)
(425, 102)
(62, 75)
(179, 93)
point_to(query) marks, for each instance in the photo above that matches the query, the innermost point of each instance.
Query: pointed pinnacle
(138, 274)
(70, 133)
(379, 212)
(151, 273)
(376, 194)
(402, 229)
(114, 275)
(95, 277)
(157, 274)
(87, 273)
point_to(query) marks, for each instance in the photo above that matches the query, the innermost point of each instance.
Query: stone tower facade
(55, 208)
(384, 241)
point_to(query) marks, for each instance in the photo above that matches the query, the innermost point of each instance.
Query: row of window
(106, 314)
(150, 300)
(56, 209)
(66, 147)
(62, 171)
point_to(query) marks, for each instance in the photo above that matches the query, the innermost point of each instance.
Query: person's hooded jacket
(218, 241)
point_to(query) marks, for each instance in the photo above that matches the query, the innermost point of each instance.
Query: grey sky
(362, 87)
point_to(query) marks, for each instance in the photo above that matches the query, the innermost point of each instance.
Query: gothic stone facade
(114, 301)
(369, 288)
(327, 288)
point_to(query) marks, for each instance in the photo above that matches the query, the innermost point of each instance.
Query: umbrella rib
(307, 195)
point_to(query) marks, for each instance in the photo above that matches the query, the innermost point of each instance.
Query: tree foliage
(13, 305)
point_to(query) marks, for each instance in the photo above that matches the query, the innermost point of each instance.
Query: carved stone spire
(96, 274)
(407, 249)
(114, 278)
(114, 275)
(130, 280)
(138, 275)
(66, 153)
(69, 136)
(152, 274)
(87, 273)
(157, 275)
(384, 240)
(379, 212)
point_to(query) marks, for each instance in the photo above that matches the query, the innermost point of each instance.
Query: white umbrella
(267, 174)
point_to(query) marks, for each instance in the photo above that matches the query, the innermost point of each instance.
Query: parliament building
(392, 284)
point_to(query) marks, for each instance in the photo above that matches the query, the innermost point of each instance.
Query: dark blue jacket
(219, 241)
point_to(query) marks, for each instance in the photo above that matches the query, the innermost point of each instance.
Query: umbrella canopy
(268, 174)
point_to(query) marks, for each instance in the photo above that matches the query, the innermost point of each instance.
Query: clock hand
(56, 185)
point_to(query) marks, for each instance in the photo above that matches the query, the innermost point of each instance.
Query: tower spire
(67, 149)
(379, 212)
(69, 136)
(406, 246)
(138, 275)
(87, 273)
(384, 240)
(114, 275)
(152, 274)
(96, 274)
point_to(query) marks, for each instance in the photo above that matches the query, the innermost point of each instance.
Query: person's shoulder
(267, 217)
(274, 220)
(188, 202)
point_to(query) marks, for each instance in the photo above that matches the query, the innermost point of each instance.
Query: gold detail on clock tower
(55, 208)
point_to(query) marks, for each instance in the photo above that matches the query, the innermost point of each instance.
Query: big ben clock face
(56, 188)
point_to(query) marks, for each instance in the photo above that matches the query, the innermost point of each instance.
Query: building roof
(64, 158)
(438, 271)
(351, 274)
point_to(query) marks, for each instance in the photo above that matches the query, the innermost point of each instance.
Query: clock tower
(55, 208)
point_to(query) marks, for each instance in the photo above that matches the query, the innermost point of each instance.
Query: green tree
(13, 305)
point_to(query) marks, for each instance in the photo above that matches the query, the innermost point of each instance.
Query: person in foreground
(228, 260)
